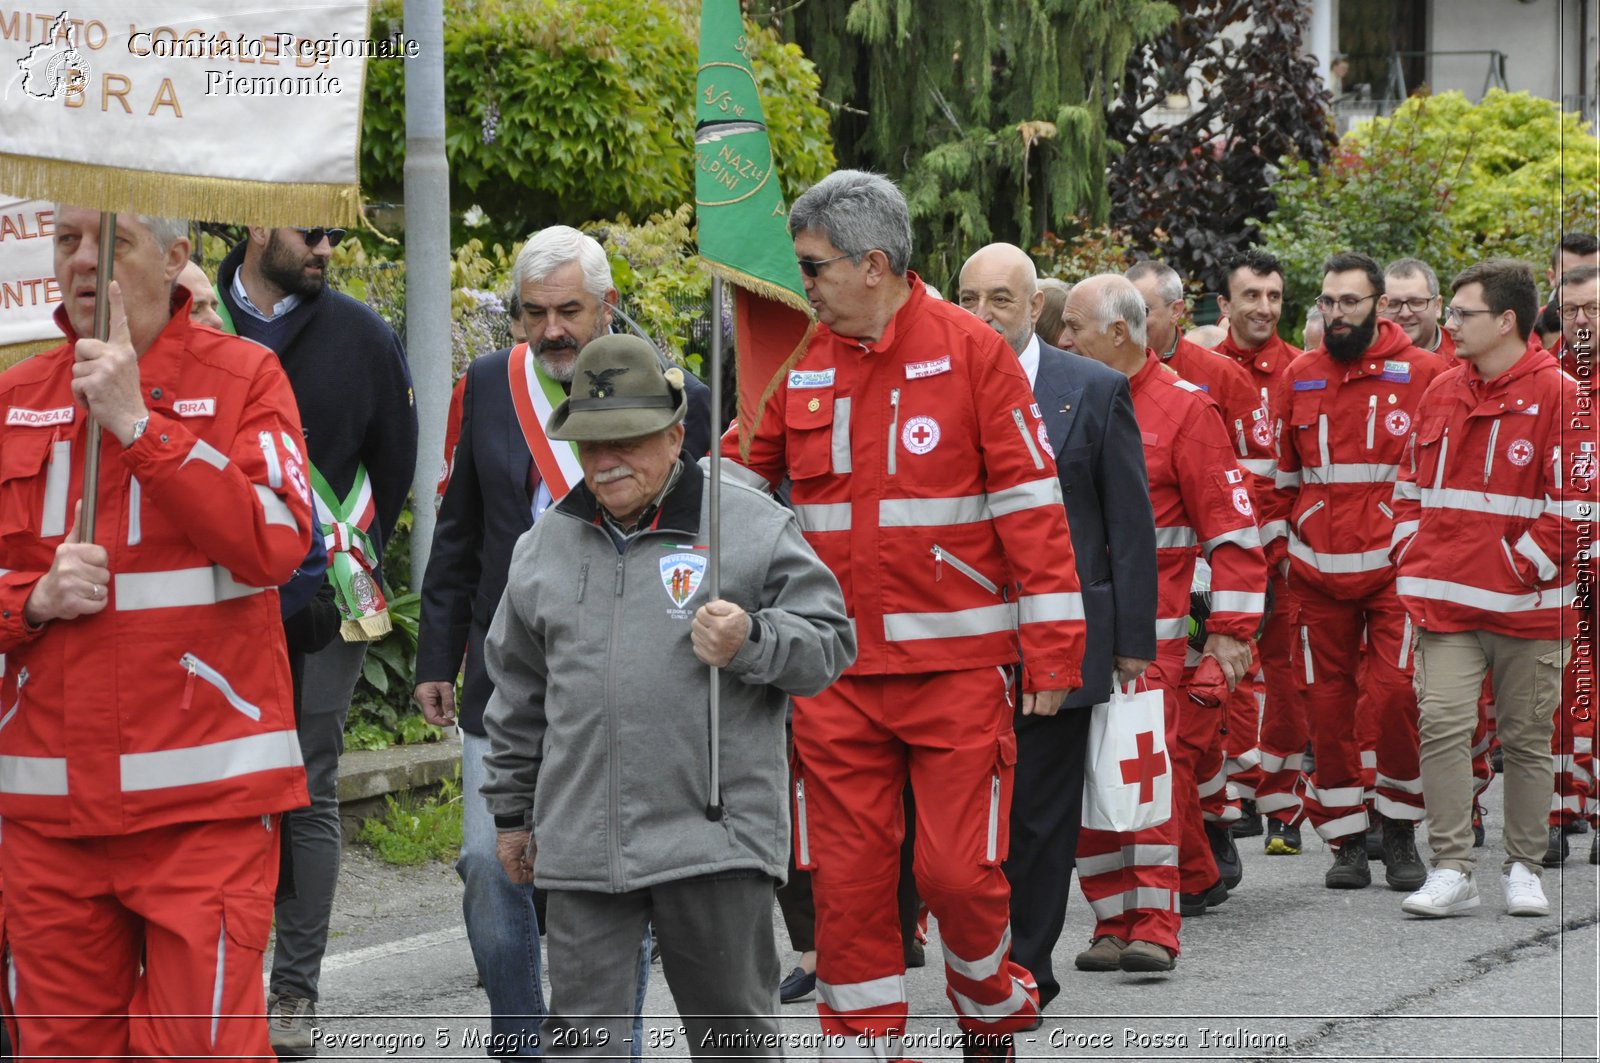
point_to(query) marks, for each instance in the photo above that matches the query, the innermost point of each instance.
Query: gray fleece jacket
(598, 720)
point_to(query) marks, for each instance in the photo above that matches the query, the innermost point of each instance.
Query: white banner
(29, 294)
(200, 108)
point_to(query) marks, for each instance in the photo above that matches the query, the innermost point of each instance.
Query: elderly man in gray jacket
(599, 738)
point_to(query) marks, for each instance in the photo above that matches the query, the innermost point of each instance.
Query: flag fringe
(367, 628)
(764, 288)
(183, 196)
(12, 353)
(748, 425)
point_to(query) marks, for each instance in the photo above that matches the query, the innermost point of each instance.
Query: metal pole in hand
(714, 573)
(102, 332)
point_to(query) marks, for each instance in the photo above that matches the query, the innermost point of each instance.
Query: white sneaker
(1445, 892)
(1524, 893)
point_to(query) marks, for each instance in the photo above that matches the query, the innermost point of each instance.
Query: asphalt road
(1285, 970)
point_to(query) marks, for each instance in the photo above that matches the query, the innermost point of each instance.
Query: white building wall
(1543, 41)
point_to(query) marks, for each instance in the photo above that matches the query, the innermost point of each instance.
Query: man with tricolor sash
(353, 389)
(505, 473)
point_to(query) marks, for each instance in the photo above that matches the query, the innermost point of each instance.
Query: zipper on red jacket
(992, 842)
(1027, 437)
(1444, 449)
(22, 681)
(802, 829)
(1322, 441)
(1488, 456)
(1238, 427)
(1305, 651)
(894, 426)
(1372, 418)
(941, 555)
(200, 669)
(1307, 515)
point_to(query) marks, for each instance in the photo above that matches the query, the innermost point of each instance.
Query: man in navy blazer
(1088, 415)
(565, 297)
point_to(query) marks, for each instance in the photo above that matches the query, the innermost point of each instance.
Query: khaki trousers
(1527, 688)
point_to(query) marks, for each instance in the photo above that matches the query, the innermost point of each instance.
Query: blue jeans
(502, 927)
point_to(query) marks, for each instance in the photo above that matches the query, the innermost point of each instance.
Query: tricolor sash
(352, 555)
(535, 397)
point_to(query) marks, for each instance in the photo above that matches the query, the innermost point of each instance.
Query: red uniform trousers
(854, 745)
(1281, 788)
(1330, 631)
(1233, 769)
(1196, 748)
(1131, 879)
(194, 898)
(1572, 742)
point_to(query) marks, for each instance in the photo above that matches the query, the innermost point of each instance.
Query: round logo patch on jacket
(1261, 432)
(1044, 437)
(1241, 501)
(1520, 452)
(920, 435)
(1398, 422)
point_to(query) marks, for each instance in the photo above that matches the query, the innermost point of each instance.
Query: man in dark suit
(1088, 415)
(505, 473)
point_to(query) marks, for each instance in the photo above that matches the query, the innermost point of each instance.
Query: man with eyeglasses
(350, 380)
(1491, 511)
(1348, 416)
(1415, 305)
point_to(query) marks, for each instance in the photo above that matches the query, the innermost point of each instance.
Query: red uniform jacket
(1488, 509)
(1266, 365)
(923, 478)
(1345, 433)
(174, 703)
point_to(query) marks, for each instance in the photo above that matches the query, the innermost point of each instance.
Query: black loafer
(797, 986)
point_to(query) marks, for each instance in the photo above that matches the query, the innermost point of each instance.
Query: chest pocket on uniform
(24, 505)
(809, 416)
(1427, 452)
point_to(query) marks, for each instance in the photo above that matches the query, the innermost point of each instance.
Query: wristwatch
(138, 428)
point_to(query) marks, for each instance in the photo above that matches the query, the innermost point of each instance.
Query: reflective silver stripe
(1212, 785)
(1461, 594)
(1339, 796)
(1147, 897)
(1011, 1005)
(203, 451)
(216, 982)
(135, 512)
(841, 435)
(1176, 628)
(859, 996)
(211, 762)
(195, 666)
(1369, 758)
(1283, 481)
(1305, 654)
(206, 585)
(1237, 602)
(1405, 643)
(1405, 786)
(1273, 530)
(992, 841)
(1044, 608)
(1480, 502)
(1259, 466)
(1344, 826)
(54, 519)
(275, 509)
(1402, 531)
(1569, 510)
(980, 969)
(269, 451)
(1385, 805)
(1031, 495)
(823, 517)
(1027, 437)
(1127, 856)
(1366, 561)
(1249, 538)
(1354, 472)
(37, 776)
(1322, 439)
(984, 620)
(1271, 763)
(801, 828)
(1407, 490)
(931, 512)
(894, 427)
(1541, 560)
(1176, 536)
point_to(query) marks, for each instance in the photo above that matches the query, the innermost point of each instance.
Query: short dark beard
(1350, 347)
(281, 267)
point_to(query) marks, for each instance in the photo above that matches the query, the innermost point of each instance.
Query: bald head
(1001, 286)
(203, 309)
(1106, 317)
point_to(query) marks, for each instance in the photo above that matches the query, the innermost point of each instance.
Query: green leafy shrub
(416, 828)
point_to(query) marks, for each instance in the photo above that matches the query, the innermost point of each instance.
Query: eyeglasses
(810, 266)
(1455, 313)
(1569, 311)
(313, 237)
(1345, 303)
(1416, 306)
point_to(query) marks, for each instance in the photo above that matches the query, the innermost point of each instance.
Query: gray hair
(1118, 300)
(165, 230)
(549, 249)
(1169, 286)
(858, 212)
(1401, 268)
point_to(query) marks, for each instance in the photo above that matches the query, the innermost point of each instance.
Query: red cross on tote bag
(1128, 784)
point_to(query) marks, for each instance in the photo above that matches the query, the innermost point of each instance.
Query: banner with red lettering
(203, 109)
(29, 294)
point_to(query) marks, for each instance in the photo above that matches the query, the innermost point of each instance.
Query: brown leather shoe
(1145, 956)
(1102, 954)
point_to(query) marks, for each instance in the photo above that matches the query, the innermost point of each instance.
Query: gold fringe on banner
(171, 195)
(765, 288)
(368, 628)
(11, 354)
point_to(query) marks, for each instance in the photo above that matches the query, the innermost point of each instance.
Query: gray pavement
(1285, 970)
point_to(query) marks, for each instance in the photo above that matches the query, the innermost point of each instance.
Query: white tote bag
(1128, 782)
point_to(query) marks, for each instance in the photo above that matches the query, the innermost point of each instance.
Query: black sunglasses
(810, 267)
(313, 237)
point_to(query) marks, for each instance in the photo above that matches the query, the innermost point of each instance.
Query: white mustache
(621, 472)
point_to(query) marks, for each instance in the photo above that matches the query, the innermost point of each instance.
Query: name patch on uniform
(918, 370)
(815, 378)
(39, 418)
(1310, 385)
(1398, 372)
(195, 407)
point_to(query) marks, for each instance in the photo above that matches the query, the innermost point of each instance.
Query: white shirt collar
(288, 303)
(1030, 358)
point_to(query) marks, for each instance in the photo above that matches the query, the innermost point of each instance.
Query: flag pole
(713, 565)
(102, 332)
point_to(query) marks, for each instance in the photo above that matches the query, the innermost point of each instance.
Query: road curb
(367, 776)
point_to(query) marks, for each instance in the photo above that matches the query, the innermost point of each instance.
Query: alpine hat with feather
(619, 392)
